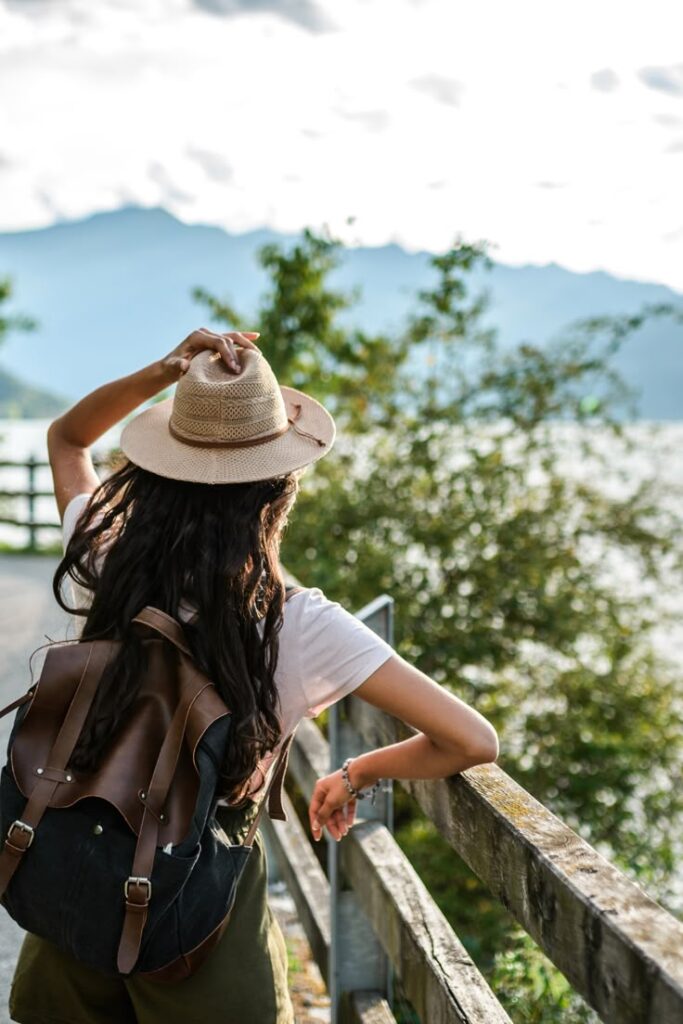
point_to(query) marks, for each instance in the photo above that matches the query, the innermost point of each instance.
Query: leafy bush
(472, 481)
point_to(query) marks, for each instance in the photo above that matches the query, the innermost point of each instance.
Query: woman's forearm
(415, 758)
(104, 407)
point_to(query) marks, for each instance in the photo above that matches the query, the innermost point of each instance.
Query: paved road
(28, 612)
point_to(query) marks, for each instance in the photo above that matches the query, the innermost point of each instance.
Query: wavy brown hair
(144, 539)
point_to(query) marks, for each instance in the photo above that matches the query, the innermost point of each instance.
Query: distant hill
(113, 291)
(22, 401)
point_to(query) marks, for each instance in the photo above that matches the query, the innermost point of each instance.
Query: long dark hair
(145, 539)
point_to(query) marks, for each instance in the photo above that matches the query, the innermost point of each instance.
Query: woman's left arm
(70, 436)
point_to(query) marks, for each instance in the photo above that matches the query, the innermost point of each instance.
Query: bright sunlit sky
(552, 129)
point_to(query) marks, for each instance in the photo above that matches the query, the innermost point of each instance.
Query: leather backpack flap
(128, 762)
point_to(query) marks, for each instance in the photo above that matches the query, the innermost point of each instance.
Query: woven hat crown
(226, 427)
(211, 403)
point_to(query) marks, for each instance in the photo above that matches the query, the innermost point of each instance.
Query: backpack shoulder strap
(21, 832)
(138, 888)
(165, 625)
(171, 629)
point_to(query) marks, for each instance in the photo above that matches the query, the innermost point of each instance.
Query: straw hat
(224, 427)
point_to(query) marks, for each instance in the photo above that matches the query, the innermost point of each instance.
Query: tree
(297, 330)
(450, 488)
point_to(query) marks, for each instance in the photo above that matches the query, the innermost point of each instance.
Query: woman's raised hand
(331, 805)
(177, 362)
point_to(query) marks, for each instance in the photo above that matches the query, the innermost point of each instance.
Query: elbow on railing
(482, 746)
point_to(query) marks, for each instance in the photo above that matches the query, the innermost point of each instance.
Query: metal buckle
(138, 881)
(23, 827)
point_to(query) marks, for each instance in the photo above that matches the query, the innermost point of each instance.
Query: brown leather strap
(166, 625)
(275, 808)
(21, 833)
(172, 630)
(138, 888)
(274, 786)
(24, 699)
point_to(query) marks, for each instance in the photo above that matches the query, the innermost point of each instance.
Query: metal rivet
(98, 830)
(69, 778)
(39, 771)
(143, 796)
(162, 817)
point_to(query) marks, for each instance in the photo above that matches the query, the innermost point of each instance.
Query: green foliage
(472, 482)
(345, 369)
(472, 912)
(532, 990)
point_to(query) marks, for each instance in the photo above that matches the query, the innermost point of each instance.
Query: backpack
(125, 868)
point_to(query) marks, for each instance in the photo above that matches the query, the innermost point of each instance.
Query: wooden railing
(30, 522)
(369, 918)
(621, 951)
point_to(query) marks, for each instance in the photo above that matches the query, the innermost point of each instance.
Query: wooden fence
(31, 522)
(369, 919)
(29, 494)
(618, 948)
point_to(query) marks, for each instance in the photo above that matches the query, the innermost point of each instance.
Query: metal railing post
(356, 958)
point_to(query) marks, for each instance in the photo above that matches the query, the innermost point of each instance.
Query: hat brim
(147, 441)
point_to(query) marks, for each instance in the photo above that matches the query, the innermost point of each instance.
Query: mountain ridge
(113, 290)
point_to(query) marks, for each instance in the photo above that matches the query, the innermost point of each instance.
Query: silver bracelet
(352, 789)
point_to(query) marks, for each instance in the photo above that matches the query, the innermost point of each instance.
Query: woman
(191, 523)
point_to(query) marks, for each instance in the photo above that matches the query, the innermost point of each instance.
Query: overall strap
(275, 808)
(21, 832)
(274, 784)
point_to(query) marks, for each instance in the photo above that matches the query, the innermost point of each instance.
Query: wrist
(359, 776)
(159, 374)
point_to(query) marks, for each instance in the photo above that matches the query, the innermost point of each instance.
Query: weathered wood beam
(436, 971)
(365, 1007)
(619, 948)
(305, 879)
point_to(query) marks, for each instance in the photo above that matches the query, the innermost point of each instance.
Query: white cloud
(554, 130)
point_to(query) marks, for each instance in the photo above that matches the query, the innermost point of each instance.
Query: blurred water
(657, 453)
(19, 441)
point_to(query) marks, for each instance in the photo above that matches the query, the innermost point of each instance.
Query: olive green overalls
(243, 980)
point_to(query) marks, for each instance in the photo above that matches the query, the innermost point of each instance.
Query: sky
(551, 130)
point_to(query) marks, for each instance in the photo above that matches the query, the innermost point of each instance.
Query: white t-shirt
(325, 652)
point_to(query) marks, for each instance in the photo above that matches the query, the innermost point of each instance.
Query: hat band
(249, 442)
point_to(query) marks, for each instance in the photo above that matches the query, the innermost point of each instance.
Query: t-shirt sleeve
(336, 651)
(71, 514)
